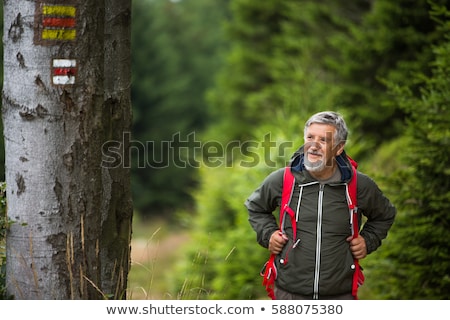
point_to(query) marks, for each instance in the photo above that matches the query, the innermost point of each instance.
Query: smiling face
(320, 149)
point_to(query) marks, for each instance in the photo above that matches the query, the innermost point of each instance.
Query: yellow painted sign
(54, 10)
(55, 23)
(50, 34)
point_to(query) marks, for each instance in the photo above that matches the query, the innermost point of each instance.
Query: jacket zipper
(318, 233)
(318, 242)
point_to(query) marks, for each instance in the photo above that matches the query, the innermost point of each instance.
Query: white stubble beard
(316, 166)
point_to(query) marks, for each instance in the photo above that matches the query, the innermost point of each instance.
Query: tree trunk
(65, 94)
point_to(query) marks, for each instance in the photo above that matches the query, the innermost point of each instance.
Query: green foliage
(420, 255)
(176, 48)
(238, 101)
(391, 42)
(348, 48)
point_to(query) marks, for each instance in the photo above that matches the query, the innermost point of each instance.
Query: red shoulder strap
(358, 276)
(353, 201)
(288, 187)
(288, 183)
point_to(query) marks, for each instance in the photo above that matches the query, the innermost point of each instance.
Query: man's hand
(277, 241)
(358, 247)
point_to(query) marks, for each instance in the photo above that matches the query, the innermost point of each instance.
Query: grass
(155, 247)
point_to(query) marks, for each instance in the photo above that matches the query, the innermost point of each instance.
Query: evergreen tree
(391, 42)
(418, 262)
(239, 102)
(176, 49)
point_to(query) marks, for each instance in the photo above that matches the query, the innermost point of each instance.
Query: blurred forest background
(221, 90)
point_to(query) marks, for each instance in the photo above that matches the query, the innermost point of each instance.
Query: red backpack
(269, 272)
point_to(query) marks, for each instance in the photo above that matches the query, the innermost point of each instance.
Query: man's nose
(313, 145)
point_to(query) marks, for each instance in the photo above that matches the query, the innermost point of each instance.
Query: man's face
(319, 151)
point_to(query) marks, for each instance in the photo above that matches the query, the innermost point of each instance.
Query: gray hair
(331, 118)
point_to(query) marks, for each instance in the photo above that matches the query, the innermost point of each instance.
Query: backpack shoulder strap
(288, 183)
(288, 187)
(358, 276)
(353, 199)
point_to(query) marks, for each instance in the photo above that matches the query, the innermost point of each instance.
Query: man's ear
(339, 148)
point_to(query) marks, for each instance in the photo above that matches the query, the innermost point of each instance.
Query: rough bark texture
(72, 230)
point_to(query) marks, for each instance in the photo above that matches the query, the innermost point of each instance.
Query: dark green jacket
(321, 264)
